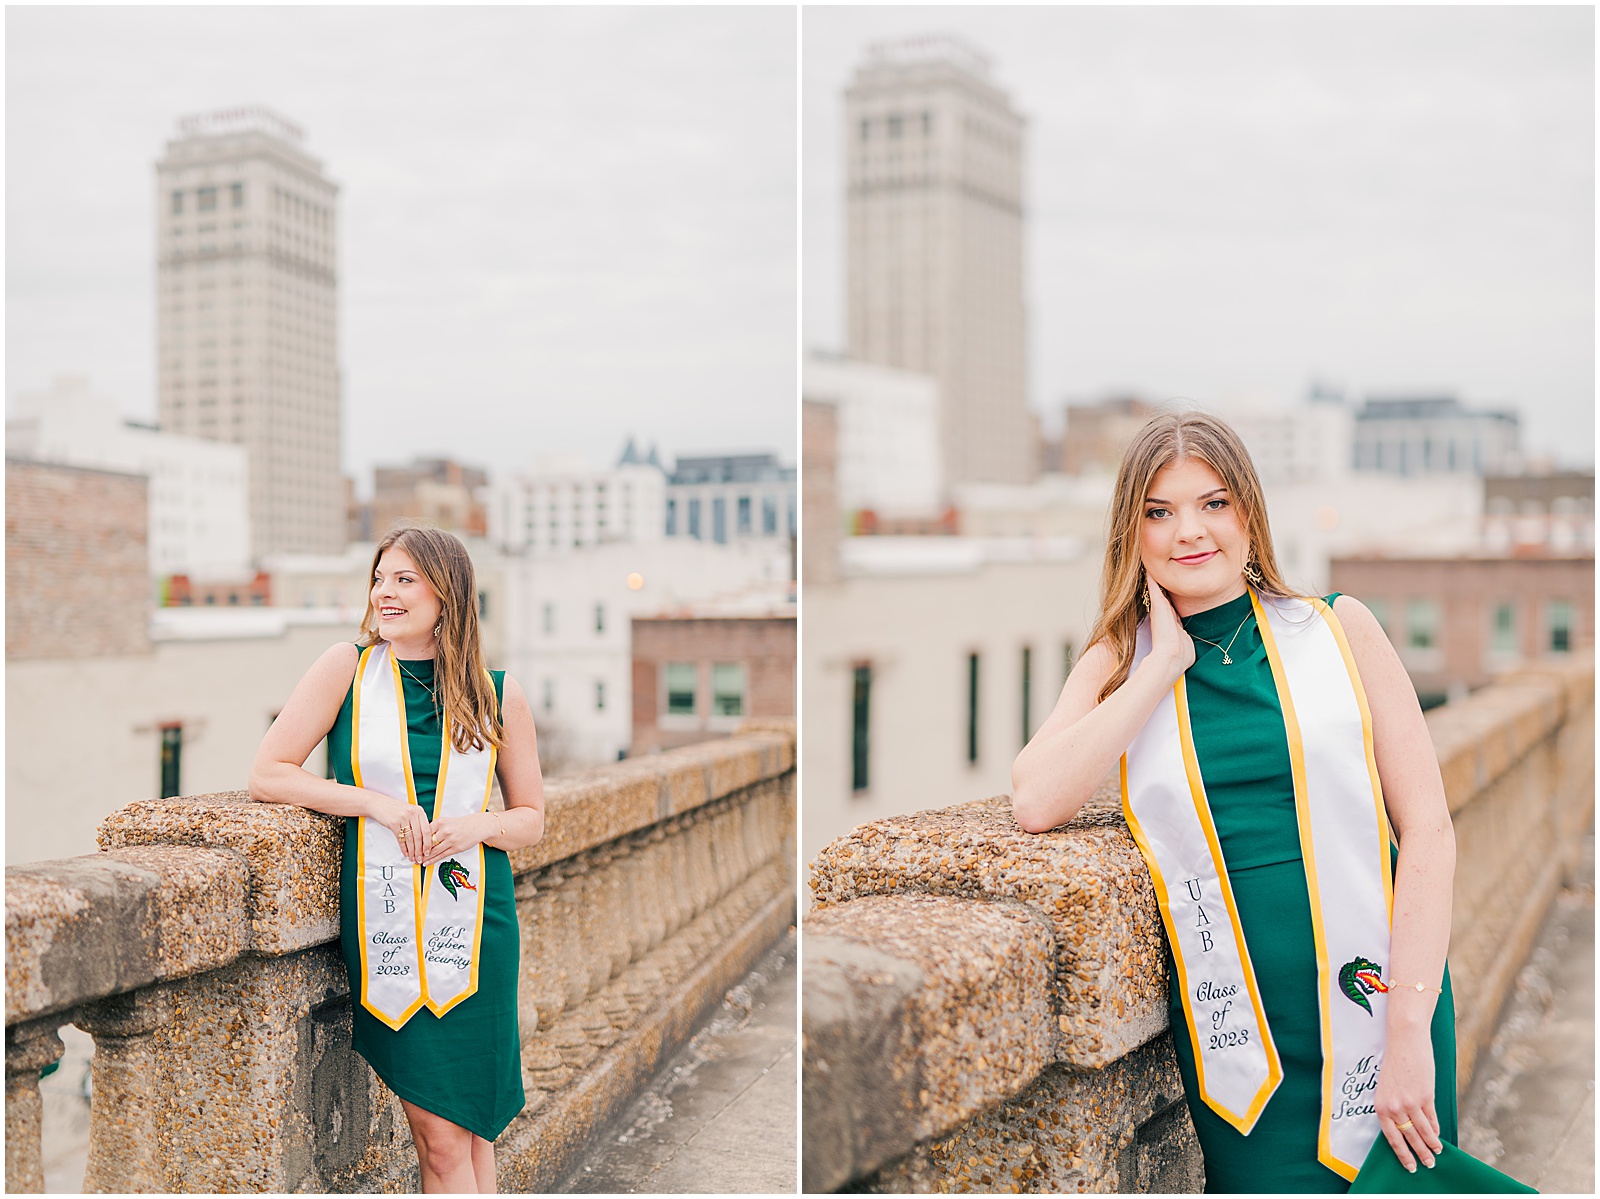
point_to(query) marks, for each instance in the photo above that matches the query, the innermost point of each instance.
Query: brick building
(1459, 621)
(77, 562)
(699, 677)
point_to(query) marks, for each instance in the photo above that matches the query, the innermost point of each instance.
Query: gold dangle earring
(1252, 574)
(1147, 604)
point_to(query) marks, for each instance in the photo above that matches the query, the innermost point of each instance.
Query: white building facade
(732, 499)
(934, 228)
(186, 718)
(564, 627)
(199, 490)
(1435, 435)
(928, 665)
(889, 458)
(247, 306)
(561, 506)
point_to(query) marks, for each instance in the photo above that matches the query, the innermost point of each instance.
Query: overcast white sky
(558, 226)
(1233, 202)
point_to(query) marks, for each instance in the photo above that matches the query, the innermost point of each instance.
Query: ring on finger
(1403, 1127)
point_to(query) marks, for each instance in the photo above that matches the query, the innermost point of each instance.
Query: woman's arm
(517, 767)
(278, 774)
(1060, 767)
(1413, 793)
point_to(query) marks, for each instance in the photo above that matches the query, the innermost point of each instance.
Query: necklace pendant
(1226, 661)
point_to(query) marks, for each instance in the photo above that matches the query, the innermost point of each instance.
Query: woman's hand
(451, 835)
(405, 820)
(1405, 1094)
(1171, 649)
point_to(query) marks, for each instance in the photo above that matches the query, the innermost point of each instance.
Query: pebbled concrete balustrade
(200, 948)
(985, 1010)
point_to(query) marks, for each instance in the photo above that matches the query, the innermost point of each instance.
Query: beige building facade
(86, 735)
(934, 220)
(927, 666)
(247, 292)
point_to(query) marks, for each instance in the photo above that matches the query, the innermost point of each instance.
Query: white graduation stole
(419, 936)
(1344, 840)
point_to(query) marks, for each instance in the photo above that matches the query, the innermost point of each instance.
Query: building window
(171, 759)
(177, 203)
(727, 689)
(1422, 624)
(927, 123)
(483, 605)
(769, 516)
(1027, 693)
(680, 688)
(719, 520)
(894, 124)
(1066, 661)
(972, 707)
(549, 618)
(599, 618)
(549, 695)
(694, 518)
(1503, 628)
(866, 129)
(205, 199)
(860, 709)
(1560, 626)
(237, 191)
(672, 518)
(599, 695)
(744, 516)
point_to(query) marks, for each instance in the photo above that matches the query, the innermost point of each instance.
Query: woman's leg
(483, 1165)
(444, 1151)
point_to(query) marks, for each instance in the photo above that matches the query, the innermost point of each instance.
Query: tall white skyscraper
(247, 301)
(934, 219)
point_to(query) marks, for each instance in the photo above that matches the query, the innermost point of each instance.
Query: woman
(428, 922)
(1268, 743)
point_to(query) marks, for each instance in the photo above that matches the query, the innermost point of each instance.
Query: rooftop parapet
(200, 948)
(986, 1010)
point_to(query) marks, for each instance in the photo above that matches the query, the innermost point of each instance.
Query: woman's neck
(414, 651)
(1186, 606)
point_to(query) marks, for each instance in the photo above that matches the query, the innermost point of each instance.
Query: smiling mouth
(386, 613)
(1195, 559)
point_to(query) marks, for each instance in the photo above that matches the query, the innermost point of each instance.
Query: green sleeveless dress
(1243, 752)
(467, 1064)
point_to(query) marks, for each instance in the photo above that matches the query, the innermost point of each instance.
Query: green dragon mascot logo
(453, 874)
(1361, 978)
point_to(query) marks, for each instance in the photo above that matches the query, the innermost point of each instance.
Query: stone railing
(200, 949)
(985, 1010)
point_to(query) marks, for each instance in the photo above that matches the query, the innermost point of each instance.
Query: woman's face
(406, 607)
(1191, 540)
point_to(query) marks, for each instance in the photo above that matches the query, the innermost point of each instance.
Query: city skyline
(1230, 205)
(583, 227)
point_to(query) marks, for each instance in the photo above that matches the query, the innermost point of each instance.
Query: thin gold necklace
(1226, 660)
(432, 694)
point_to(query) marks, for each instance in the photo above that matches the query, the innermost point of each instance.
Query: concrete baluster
(572, 908)
(644, 906)
(29, 1049)
(610, 864)
(702, 881)
(131, 1095)
(547, 934)
(676, 875)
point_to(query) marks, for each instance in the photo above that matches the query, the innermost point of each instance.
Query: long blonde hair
(1164, 439)
(465, 690)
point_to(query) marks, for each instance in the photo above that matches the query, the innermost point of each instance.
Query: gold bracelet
(1391, 984)
(500, 827)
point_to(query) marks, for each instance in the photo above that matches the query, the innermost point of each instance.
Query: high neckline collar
(1224, 616)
